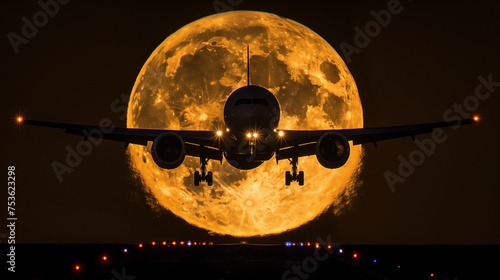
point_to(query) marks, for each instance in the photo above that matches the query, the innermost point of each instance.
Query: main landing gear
(294, 176)
(204, 176)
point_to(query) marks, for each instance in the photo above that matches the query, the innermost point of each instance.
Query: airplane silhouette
(251, 136)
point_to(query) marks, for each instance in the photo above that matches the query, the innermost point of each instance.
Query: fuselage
(251, 116)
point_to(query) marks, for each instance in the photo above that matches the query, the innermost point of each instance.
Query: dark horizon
(424, 65)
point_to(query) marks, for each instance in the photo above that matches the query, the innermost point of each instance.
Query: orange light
(164, 243)
(104, 258)
(153, 243)
(355, 255)
(476, 118)
(255, 135)
(219, 133)
(173, 243)
(432, 274)
(140, 245)
(281, 133)
(182, 242)
(19, 119)
(77, 267)
(249, 135)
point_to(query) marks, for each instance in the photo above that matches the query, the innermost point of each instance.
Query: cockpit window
(251, 101)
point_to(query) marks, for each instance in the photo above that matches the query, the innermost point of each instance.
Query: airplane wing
(294, 144)
(301, 143)
(197, 142)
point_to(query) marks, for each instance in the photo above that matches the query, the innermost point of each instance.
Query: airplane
(251, 136)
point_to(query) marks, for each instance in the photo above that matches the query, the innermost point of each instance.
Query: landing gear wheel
(288, 178)
(197, 178)
(300, 178)
(210, 178)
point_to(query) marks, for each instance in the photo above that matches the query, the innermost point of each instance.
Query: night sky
(425, 60)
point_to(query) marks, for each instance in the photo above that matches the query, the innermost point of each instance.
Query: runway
(253, 261)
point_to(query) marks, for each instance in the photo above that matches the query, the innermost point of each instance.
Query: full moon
(184, 85)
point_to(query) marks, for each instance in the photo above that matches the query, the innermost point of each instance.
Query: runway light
(174, 243)
(104, 258)
(476, 118)
(164, 243)
(140, 245)
(77, 267)
(153, 243)
(181, 243)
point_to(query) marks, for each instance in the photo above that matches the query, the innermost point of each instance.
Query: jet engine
(332, 150)
(168, 150)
